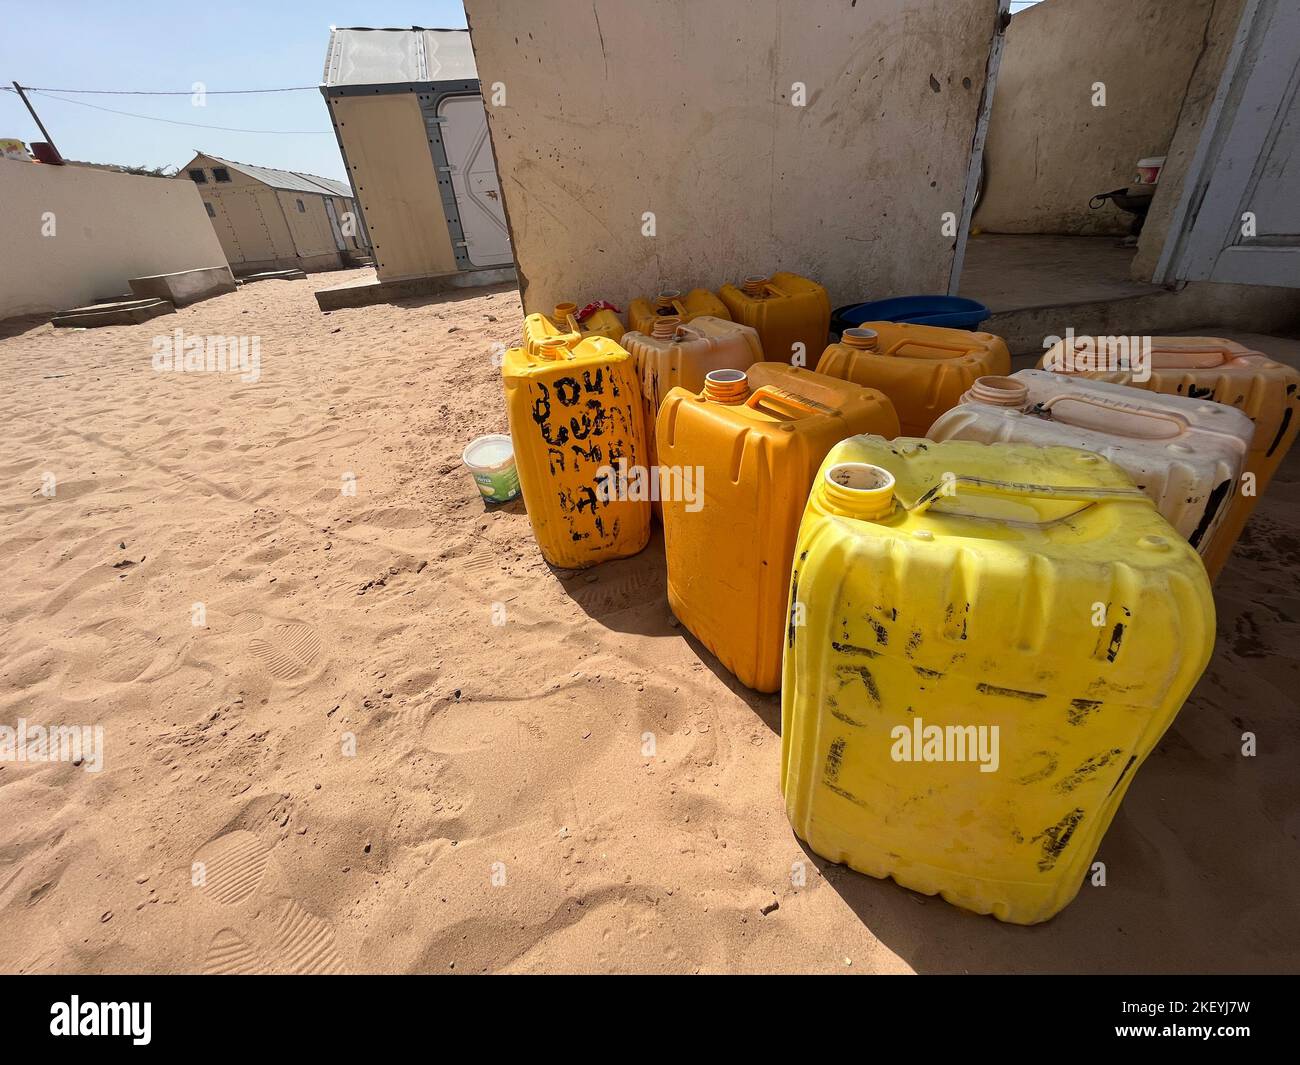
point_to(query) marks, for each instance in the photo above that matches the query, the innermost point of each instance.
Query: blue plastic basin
(953, 312)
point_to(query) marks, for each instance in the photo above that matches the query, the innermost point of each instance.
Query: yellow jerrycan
(923, 369)
(1220, 371)
(748, 457)
(786, 309)
(563, 323)
(1186, 454)
(984, 643)
(679, 355)
(641, 314)
(579, 438)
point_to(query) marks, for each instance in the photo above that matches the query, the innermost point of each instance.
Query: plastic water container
(754, 440)
(1186, 454)
(563, 323)
(1220, 371)
(951, 312)
(791, 313)
(923, 369)
(576, 420)
(985, 642)
(679, 355)
(491, 461)
(642, 313)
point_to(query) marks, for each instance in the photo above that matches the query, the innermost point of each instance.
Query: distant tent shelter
(271, 219)
(408, 114)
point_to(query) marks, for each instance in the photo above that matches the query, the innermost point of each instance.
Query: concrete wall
(387, 149)
(108, 228)
(1049, 149)
(620, 107)
(1201, 87)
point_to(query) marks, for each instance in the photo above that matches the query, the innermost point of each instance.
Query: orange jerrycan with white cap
(641, 313)
(747, 447)
(575, 419)
(985, 642)
(564, 323)
(1219, 371)
(923, 369)
(1186, 454)
(675, 354)
(791, 313)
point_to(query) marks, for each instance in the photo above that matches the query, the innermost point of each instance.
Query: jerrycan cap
(755, 284)
(666, 298)
(552, 348)
(726, 386)
(998, 392)
(665, 327)
(867, 339)
(563, 310)
(860, 490)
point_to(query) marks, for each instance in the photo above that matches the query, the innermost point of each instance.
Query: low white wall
(106, 229)
(615, 108)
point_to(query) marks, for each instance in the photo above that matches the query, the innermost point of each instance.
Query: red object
(593, 307)
(47, 153)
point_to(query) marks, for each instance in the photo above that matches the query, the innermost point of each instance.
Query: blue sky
(144, 44)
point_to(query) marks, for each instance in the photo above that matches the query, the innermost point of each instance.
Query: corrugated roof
(289, 180)
(359, 55)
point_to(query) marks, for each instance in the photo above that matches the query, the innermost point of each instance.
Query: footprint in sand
(287, 650)
(230, 954)
(232, 867)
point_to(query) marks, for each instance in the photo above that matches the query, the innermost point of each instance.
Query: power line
(169, 92)
(178, 122)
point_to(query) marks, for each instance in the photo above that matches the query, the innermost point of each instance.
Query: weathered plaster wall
(108, 228)
(1049, 149)
(621, 107)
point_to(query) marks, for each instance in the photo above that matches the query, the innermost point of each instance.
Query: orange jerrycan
(577, 428)
(1186, 454)
(564, 323)
(676, 355)
(642, 313)
(786, 309)
(749, 458)
(985, 642)
(1214, 369)
(923, 369)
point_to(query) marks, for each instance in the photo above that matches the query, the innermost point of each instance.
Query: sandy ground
(497, 812)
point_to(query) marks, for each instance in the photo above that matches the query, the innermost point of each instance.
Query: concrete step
(185, 286)
(273, 275)
(127, 312)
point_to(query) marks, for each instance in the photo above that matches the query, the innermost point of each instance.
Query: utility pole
(37, 119)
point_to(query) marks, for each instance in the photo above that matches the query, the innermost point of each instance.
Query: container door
(339, 242)
(474, 181)
(1240, 217)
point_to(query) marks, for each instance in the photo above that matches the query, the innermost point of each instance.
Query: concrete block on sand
(274, 275)
(186, 286)
(127, 312)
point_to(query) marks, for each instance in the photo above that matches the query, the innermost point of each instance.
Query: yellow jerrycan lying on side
(563, 324)
(1186, 454)
(576, 424)
(751, 456)
(923, 369)
(791, 313)
(641, 313)
(1221, 371)
(984, 643)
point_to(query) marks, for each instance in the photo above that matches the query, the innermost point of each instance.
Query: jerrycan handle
(772, 400)
(1188, 360)
(1131, 422)
(1068, 493)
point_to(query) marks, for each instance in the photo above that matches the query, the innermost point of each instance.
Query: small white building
(270, 219)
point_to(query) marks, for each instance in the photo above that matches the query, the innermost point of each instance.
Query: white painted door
(474, 181)
(1239, 221)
